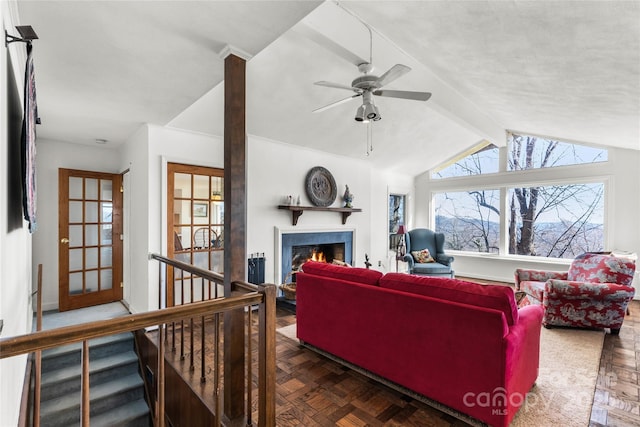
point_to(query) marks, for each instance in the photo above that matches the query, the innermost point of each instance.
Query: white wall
(134, 156)
(15, 246)
(146, 155)
(53, 155)
(382, 185)
(276, 170)
(622, 172)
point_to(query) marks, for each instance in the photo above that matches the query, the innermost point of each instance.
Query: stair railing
(262, 296)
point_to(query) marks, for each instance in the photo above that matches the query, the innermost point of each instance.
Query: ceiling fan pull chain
(369, 138)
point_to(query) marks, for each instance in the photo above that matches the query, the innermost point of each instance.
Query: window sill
(511, 258)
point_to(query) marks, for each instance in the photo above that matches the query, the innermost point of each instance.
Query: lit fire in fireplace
(318, 256)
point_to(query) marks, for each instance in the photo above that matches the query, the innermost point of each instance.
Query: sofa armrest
(555, 289)
(408, 258)
(526, 275)
(522, 357)
(444, 259)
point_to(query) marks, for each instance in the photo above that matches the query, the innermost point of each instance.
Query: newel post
(267, 358)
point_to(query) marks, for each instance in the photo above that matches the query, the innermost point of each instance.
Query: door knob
(64, 240)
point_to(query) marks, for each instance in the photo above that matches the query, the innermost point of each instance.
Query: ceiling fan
(369, 85)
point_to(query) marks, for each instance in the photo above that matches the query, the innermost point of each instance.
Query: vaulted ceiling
(564, 69)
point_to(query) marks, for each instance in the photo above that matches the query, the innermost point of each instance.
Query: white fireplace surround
(279, 232)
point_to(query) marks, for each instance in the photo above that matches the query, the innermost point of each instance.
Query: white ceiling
(565, 69)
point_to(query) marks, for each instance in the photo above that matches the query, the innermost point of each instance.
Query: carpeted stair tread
(101, 391)
(96, 342)
(135, 414)
(94, 366)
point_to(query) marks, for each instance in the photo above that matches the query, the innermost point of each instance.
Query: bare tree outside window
(469, 220)
(559, 221)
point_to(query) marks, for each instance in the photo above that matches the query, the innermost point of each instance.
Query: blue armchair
(422, 238)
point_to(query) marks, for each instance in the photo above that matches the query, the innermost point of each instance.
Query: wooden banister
(38, 354)
(13, 346)
(244, 295)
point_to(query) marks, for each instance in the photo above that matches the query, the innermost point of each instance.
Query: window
(396, 218)
(481, 159)
(532, 152)
(470, 220)
(559, 220)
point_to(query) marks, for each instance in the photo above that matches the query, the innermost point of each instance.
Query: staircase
(116, 392)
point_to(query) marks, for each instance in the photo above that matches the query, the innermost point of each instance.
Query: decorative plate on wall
(320, 186)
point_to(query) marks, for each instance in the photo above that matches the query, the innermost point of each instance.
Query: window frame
(593, 173)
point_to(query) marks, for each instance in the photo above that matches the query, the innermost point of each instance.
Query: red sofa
(460, 344)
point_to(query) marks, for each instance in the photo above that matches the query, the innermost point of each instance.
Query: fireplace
(324, 246)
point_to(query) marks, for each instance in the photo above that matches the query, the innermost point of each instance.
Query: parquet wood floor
(617, 398)
(315, 391)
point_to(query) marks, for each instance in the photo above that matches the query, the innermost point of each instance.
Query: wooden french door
(89, 238)
(195, 223)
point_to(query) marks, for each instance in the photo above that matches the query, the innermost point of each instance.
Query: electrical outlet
(379, 263)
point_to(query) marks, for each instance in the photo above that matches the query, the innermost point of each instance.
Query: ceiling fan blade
(416, 96)
(333, 104)
(393, 73)
(307, 30)
(335, 85)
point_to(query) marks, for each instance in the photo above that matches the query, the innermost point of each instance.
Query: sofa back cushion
(350, 274)
(497, 297)
(601, 268)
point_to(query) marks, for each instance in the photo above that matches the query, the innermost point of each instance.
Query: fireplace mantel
(296, 211)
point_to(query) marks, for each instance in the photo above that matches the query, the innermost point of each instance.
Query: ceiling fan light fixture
(371, 112)
(360, 115)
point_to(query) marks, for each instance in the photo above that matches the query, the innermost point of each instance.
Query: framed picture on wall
(200, 209)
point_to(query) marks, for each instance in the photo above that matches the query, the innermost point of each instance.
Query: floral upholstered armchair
(594, 293)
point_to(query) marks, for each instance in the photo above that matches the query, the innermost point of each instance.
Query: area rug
(563, 394)
(288, 331)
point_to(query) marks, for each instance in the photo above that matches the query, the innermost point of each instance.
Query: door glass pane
(201, 212)
(105, 256)
(91, 235)
(201, 187)
(75, 283)
(75, 211)
(217, 188)
(217, 261)
(182, 185)
(91, 212)
(217, 212)
(75, 259)
(91, 258)
(182, 238)
(75, 188)
(91, 278)
(106, 234)
(75, 235)
(91, 189)
(106, 189)
(106, 279)
(107, 212)
(202, 237)
(181, 212)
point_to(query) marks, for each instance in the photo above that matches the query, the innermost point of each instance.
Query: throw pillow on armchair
(422, 256)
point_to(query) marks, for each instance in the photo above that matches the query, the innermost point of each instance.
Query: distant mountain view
(552, 239)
